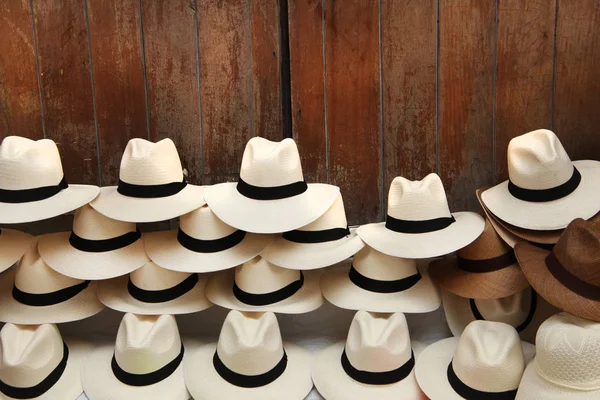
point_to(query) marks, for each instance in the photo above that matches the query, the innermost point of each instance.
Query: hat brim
(69, 199)
(164, 249)
(13, 244)
(467, 227)
(57, 252)
(219, 290)
(114, 205)
(269, 216)
(551, 215)
(204, 383)
(339, 290)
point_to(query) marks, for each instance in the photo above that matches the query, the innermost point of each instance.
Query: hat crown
(418, 200)
(267, 164)
(488, 245)
(376, 265)
(250, 343)
(203, 224)
(334, 217)
(148, 163)
(578, 250)
(152, 277)
(28, 164)
(511, 310)
(259, 276)
(90, 224)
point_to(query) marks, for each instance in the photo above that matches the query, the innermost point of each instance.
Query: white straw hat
(322, 243)
(566, 361)
(486, 362)
(33, 293)
(203, 243)
(376, 361)
(377, 282)
(419, 223)
(152, 185)
(97, 248)
(32, 183)
(271, 195)
(146, 362)
(152, 290)
(13, 244)
(260, 286)
(249, 362)
(545, 190)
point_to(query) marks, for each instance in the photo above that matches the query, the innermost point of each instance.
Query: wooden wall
(370, 89)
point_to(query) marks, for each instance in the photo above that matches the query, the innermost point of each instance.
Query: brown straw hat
(485, 269)
(568, 277)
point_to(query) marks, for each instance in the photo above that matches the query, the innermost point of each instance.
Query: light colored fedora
(146, 362)
(250, 361)
(97, 248)
(487, 361)
(419, 223)
(545, 190)
(32, 182)
(203, 243)
(322, 243)
(152, 185)
(13, 244)
(566, 361)
(152, 290)
(376, 361)
(271, 195)
(258, 285)
(33, 294)
(377, 282)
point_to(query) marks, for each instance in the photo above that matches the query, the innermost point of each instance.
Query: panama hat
(487, 361)
(375, 362)
(13, 244)
(35, 363)
(566, 361)
(203, 243)
(152, 290)
(250, 362)
(322, 243)
(377, 282)
(146, 362)
(271, 195)
(419, 223)
(545, 190)
(33, 293)
(32, 183)
(152, 185)
(97, 248)
(567, 277)
(258, 285)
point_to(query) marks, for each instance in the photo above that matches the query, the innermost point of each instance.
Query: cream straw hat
(13, 244)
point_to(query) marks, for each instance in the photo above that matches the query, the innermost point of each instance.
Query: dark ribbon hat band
(572, 282)
(48, 299)
(377, 286)
(265, 299)
(378, 378)
(164, 295)
(249, 381)
(210, 246)
(326, 235)
(543, 195)
(146, 379)
(488, 265)
(150, 191)
(423, 226)
(520, 328)
(42, 387)
(469, 393)
(100, 246)
(34, 194)
(271, 192)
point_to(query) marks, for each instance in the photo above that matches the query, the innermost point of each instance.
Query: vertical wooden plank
(171, 68)
(466, 98)
(524, 72)
(353, 105)
(226, 80)
(67, 86)
(119, 79)
(577, 84)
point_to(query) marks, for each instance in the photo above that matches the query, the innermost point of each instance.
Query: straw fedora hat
(97, 248)
(419, 223)
(258, 285)
(146, 362)
(33, 294)
(567, 277)
(152, 290)
(250, 361)
(271, 195)
(13, 244)
(375, 362)
(377, 282)
(35, 363)
(487, 361)
(545, 190)
(203, 243)
(566, 361)
(32, 182)
(152, 185)
(322, 243)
